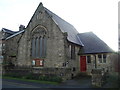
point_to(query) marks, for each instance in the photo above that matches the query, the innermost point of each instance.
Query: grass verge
(30, 80)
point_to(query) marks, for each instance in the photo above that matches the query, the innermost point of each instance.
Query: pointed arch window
(39, 43)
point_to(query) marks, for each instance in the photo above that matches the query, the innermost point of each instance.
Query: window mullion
(33, 47)
(43, 47)
(45, 41)
(102, 58)
(37, 47)
(40, 47)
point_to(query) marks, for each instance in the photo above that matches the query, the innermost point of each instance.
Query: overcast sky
(98, 16)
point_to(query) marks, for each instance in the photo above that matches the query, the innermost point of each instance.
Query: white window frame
(100, 58)
(105, 59)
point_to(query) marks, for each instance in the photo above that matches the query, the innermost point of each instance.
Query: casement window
(88, 59)
(72, 51)
(100, 58)
(104, 58)
(38, 62)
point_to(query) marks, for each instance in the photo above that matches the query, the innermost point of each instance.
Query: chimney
(21, 27)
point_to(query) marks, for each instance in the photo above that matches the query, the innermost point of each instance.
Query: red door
(82, 63)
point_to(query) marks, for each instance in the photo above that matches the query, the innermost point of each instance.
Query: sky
(98, 16)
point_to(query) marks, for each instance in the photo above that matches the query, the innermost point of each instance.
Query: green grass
(30, 80)
(31, 76)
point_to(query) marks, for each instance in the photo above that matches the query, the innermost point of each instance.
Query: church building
(50, 45)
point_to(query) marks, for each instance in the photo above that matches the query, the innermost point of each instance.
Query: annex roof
(19, 32)
(8, 31)
(93, 44)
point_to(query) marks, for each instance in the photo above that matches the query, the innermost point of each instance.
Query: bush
(50, 78)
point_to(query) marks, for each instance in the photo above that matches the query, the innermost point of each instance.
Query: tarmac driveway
(81, 82)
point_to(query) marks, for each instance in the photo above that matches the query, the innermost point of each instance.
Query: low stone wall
(17, 70)
(64, 73)
(99, 77)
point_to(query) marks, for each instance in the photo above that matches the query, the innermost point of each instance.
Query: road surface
(82, 83)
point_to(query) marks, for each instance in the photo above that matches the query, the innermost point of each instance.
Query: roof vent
(21, 27)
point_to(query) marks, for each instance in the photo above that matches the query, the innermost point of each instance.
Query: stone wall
(65, 73)
(106, 66)
(55, 39)
(22, 51)
(99, 77)
(72, 63)
(57, 45)
(115, 63)
(11, 49)
(90, 66)
(1, 43)
(20, 47)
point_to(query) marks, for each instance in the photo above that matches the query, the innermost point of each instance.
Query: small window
(88, 59)
(64, 64)
(38, 62)
(104, 55)
(104, 58)
(72, 48)
(33, 62)
(3, 33)
(3, 45)
(41, 62)
(73, 69)
(100, 58)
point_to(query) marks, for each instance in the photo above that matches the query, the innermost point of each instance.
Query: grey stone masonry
(98, 77)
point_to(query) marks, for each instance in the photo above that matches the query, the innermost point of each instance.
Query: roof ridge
(86, 32)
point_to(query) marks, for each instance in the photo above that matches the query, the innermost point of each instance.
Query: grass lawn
(29, 80)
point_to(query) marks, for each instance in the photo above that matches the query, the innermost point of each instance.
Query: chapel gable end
(38, 17)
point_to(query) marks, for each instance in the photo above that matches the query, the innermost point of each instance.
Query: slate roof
(19, 32)
(90, 42)
(66, 27)
(93, 44)
(8, 31)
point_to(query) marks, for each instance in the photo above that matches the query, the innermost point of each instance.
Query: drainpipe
(95, 61)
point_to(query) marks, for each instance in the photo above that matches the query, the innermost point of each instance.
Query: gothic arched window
(39, 41)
